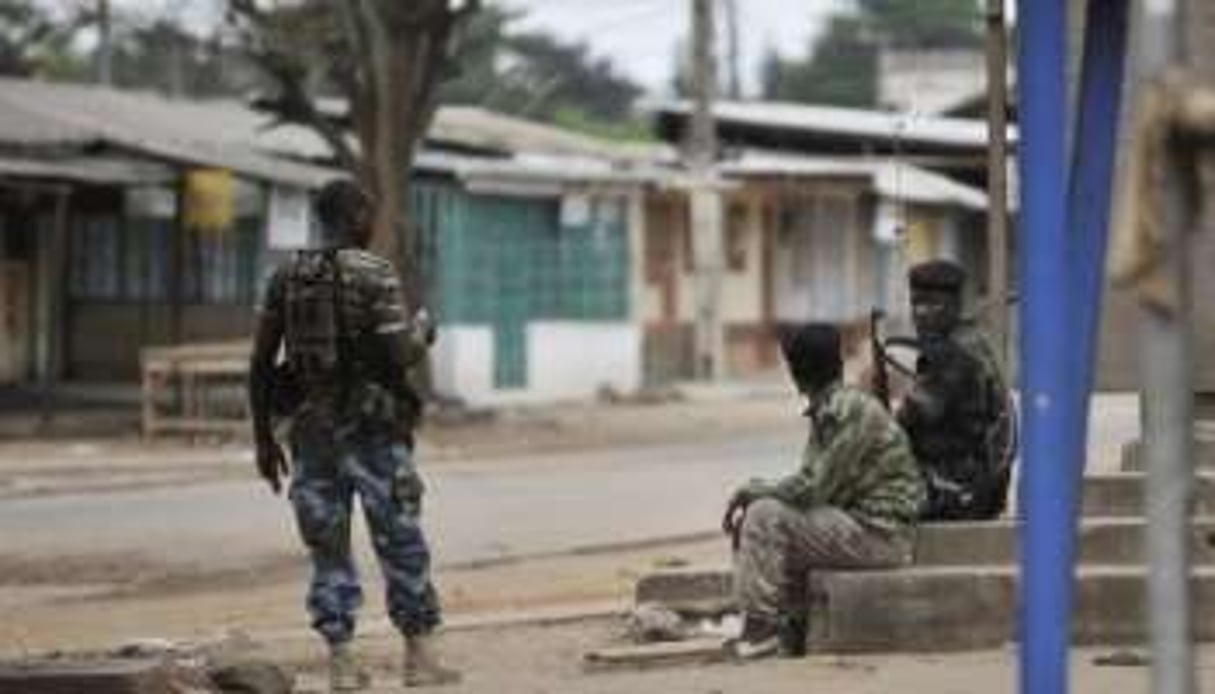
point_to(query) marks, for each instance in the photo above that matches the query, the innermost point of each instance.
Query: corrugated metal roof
(888, 178)
(87, 170)
(549, 168)
(203, 133)
(476, 127)
(479, 128)
(833, 120)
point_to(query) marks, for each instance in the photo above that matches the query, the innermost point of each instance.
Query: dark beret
(939, 275)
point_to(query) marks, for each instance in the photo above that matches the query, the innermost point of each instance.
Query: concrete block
(1204, 453)
(694, 590)
(93, 676)
(1109, 541)
(917, 609)
(927, 609)
(1122, 494)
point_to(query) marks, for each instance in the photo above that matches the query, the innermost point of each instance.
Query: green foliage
(626, 130)
(535, 75)
(842, 65)
(165, 57)
(842, 69)
(925, 23)
(34, 44)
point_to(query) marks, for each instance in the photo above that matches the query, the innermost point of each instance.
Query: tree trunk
(405, 105)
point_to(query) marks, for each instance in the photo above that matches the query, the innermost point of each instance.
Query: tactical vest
(966, 452)
(956, 443)
(317, 336)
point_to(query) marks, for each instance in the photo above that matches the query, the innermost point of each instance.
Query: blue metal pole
(1047, 487)
(1090, 190)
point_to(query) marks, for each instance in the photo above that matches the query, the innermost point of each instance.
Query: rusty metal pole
(705, 198)
(1166, 358)
(997, 178)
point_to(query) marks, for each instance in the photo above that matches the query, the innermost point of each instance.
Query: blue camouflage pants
(325, 480)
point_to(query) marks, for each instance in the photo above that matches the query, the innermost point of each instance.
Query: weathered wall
(104, 340)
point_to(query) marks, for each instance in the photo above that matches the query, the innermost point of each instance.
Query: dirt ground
(562, 601)
(549, 660)
(96, 607)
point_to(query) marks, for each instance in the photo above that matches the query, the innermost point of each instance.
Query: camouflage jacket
(857, 459)
(338, 313)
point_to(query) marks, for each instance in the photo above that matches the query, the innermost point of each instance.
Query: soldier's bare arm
(268, 336)
(397, 345)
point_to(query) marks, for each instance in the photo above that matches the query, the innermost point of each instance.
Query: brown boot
(422, 665)
(345, 675)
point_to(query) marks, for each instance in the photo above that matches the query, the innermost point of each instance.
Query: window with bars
(131, 260)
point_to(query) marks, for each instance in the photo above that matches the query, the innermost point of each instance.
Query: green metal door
(516, 234)
(510, 314)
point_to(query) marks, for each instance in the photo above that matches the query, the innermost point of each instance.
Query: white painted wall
(929, 81)
(820, 271)
(463, 363)
(652, 304)
(566, 360)
(639, 294)
(574, 359)
(743, 291)
(950, 240)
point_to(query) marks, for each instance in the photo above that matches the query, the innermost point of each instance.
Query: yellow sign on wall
(210, 200)
(922, 242)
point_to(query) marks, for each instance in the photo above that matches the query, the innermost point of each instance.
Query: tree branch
(294, 105)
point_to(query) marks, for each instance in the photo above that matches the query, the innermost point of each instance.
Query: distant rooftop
(74, 119)
(888, 178)
(830, 129)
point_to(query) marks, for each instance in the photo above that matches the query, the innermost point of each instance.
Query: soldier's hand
(424, 327)
(737, 506)
(272, 464)
(732, 520)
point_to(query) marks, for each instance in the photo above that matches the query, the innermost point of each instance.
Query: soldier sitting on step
(852, 504)
(957, 414)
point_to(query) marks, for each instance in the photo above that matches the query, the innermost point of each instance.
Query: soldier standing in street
(957, 414)
(339, 315)
(852, 504)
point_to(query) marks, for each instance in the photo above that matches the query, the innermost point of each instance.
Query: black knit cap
(937, 275)
(812, 351)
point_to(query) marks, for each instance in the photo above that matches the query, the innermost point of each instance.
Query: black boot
(761, 638)
(793, 634)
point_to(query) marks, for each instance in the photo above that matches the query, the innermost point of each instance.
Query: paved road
(475, 511)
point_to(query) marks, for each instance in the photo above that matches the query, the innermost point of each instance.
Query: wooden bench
(188, 376)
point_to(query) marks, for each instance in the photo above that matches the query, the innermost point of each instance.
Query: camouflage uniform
(853, 504)
(962, 441)
(336, 311)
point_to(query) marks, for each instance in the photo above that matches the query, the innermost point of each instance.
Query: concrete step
(97, 677)
(1122, 494)
(1204, 451)
(945, 608)
(961, 608)
(1113, 541)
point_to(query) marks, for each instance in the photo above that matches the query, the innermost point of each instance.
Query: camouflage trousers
(325, 480)
(780, 545)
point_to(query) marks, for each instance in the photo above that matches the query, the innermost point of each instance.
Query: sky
(641, 36)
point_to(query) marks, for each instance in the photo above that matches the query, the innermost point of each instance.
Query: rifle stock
(881, 376)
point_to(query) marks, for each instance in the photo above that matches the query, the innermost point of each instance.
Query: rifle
(881, 376)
